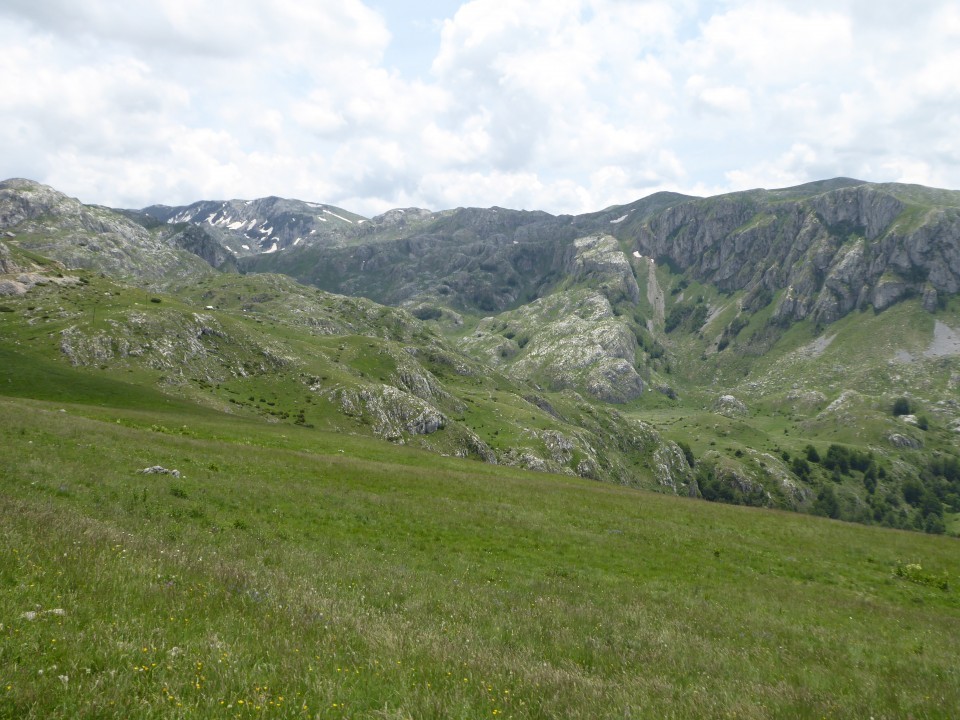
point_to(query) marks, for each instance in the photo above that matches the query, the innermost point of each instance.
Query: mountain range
(795, 348)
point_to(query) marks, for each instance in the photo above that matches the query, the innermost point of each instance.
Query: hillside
(748, 348)
(289, 572)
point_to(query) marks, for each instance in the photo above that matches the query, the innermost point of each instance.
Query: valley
(481, 462)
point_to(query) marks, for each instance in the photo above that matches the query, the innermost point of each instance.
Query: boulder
(904, 442)
(729, 406)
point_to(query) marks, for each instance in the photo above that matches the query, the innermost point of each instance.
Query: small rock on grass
(159, 470)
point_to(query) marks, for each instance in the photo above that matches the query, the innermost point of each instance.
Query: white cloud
(566, 105)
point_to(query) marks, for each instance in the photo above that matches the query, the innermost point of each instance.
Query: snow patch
(297, 241)
(236, 225)
(636, 254)
(620, 219)
(180, 217)
(321, 219)
(272, 249)
(245, 247)
(338, 216)
(228, 248)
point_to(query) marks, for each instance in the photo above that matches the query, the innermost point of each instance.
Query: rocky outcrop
(571, 340)
(22, 276)
(729, 406)
(51, 224)
(178, 344)
(8, 265)
(391, 412)
(904, 442)
(598, 261)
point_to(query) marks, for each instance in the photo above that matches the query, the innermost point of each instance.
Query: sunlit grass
(283, 580)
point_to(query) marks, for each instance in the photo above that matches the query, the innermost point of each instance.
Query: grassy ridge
(281, 577)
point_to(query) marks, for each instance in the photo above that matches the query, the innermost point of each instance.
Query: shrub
(901, 406)
(826, 503)
(912, 491)
(427, 313)
(801, 468)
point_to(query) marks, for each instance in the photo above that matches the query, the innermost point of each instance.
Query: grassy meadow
(291, 572)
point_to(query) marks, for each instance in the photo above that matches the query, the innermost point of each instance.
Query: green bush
(427, 313)
(801, 468)
(901, 406)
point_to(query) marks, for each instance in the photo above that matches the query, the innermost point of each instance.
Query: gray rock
(12, 287)
(729, 406)
(7, 264)
(391, 412)
(159, 470)
(904, 441)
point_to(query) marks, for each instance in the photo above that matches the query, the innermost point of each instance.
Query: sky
(567, 106)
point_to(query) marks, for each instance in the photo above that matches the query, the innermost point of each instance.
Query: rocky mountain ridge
(264, 225)
(829, 252)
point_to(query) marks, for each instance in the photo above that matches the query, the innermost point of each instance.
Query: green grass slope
(267, 347)
(290, 573)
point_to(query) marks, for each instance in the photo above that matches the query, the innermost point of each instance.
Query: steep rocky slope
(826, 251)
(573, 338)
(49, 223)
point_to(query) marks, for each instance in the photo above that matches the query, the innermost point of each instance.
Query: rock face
(202, 242)
(831, 249)
(598, 260)
(7, 264)
(81, 236)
